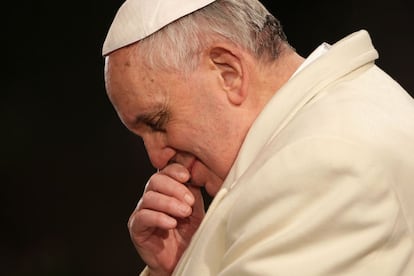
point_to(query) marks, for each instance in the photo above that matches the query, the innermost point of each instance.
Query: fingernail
(189, 199)
(183, 176)
(185, 209)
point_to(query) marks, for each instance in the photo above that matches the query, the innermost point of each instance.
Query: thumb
(198, 207)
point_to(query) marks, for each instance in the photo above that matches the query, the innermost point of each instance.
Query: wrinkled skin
(192, 127)
(166, 218)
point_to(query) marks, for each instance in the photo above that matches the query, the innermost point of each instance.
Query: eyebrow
(150, 116)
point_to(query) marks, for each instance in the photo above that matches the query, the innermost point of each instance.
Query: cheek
(194, 140)
(182, 136)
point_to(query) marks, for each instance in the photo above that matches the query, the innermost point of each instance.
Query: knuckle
(148, 196)
(155, 182)
(132, 221)
(150, 182)
(139, 204)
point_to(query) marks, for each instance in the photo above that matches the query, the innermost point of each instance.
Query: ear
(230, 68)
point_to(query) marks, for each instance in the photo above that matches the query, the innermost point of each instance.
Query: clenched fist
(166, 217)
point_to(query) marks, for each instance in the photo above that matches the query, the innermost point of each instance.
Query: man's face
(180, 119)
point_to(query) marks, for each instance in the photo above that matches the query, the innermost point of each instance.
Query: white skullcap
(137, 19)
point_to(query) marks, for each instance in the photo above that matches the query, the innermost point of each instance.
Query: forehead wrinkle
(140, 92)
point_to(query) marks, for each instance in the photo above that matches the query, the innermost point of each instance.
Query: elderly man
(310, 161)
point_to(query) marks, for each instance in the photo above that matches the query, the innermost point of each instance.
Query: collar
(317, 53)
(322, 68)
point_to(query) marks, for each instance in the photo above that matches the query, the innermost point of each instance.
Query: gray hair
(245, 23)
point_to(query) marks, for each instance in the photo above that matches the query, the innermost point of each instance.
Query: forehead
(124, 69)
(131, 86)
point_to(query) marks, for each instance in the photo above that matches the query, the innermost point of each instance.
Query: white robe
(324, 182)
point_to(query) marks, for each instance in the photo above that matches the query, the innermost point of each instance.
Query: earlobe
(231, 72)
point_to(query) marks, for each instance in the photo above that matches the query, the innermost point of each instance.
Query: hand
(166, 217)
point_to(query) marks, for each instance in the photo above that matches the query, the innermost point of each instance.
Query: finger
(145, 220)
(198, 206)
(163, 203)
(177, 172)
(164, 184)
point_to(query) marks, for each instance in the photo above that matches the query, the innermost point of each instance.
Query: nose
(159, 153)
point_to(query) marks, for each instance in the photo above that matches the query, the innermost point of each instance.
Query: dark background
(70, 173)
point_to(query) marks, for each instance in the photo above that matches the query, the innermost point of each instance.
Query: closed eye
(155, 121)
(156, 125)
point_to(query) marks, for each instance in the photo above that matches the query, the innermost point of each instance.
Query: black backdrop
(70, 173)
